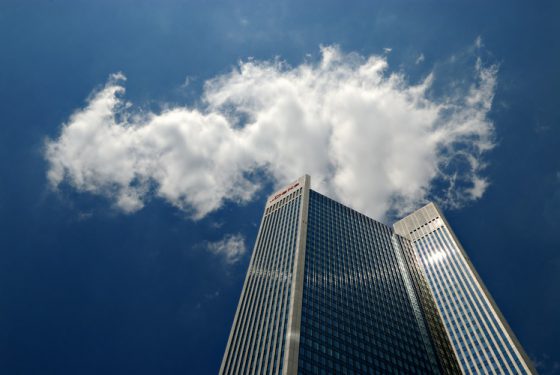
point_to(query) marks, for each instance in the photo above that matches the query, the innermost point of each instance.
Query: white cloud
(478, 42)
(187, 82)
(367, 137)
(478, 188)
(420, 58)
(231, 247)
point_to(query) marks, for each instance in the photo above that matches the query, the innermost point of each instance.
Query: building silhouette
(332, 291)
(481, 337)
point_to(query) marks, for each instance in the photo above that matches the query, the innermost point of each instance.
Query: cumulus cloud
(231, 247)
(368, 137)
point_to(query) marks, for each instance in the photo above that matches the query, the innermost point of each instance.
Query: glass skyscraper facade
(481, 337)
(260, 335)
(332, 291)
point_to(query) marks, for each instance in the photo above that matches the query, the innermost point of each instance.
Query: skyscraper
(330, 290)
(481, 337)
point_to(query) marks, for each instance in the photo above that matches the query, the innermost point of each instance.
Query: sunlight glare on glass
(436, 257)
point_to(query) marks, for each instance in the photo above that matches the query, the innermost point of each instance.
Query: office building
(332, 291)
(481, 338)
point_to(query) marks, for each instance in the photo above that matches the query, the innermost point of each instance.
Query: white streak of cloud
(231, 247)
(368, 138)
(478, 42)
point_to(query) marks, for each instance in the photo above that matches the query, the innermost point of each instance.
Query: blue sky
(139, 141)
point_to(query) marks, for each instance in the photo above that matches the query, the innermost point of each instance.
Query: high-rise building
(332, 291)
(481, 337)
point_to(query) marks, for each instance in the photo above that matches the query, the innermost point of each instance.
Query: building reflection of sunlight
(436, 257)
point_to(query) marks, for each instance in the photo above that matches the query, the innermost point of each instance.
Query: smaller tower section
(481, 337)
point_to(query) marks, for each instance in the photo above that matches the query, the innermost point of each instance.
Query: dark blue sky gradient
(85, 289)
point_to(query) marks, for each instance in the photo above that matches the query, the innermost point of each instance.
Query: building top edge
(354, 210)
(302, 182)
(419, 218)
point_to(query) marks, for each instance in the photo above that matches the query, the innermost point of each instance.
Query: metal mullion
(282, 316)
(258, 306)
(280, 338)
(271, 330)
(502, 332)
(289, 269)
(263, 330)
(240, 361)
(465, 280)
(485, 305)
(254, 281)
(259, 318)
(432, 277)
(281, 293)
(452, 271)
(283, 321)
(415, 303)
(452, 282)
(239, 320)
(262, 308)
(431, 270)
(445, 279)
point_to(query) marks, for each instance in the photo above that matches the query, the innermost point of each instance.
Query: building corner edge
(294, 317)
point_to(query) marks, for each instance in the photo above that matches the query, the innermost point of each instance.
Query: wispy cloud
(478, 42)
(231, 247)
(546, 365)
(367, 137)
(207, 298)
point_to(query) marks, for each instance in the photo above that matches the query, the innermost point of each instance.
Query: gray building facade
(481, 337)
(332, 291)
